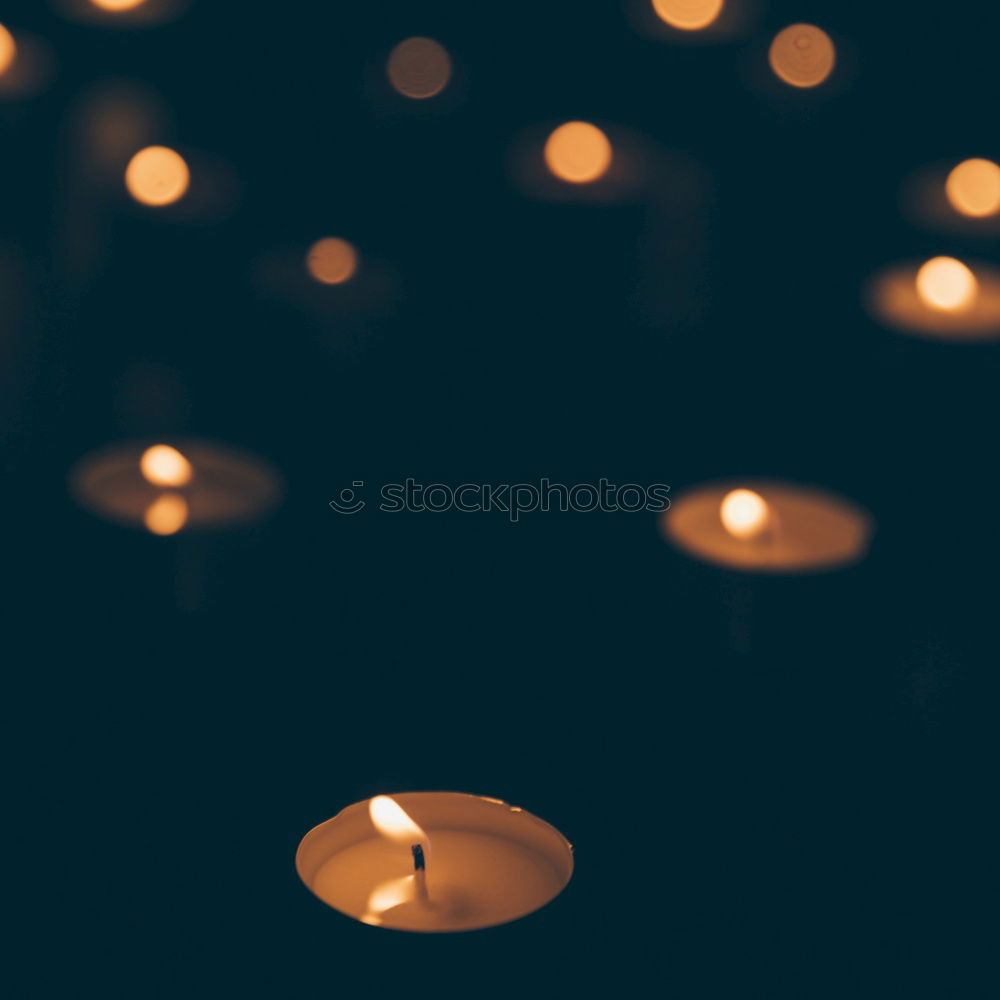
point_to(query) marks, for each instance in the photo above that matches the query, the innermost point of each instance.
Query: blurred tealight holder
(580, 161)
(942, 298)
(186, 487)
(434, 862)
(343, 292)
(27, 65)
(759, 529)
(799, 67)
(417, 77)
(119, 14)
(694, 22)
(955, 196)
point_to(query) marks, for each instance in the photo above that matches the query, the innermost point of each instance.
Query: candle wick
(419, 871)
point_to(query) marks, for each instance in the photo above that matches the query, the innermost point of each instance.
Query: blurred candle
(157, 176)
(332, 261)
(434, 861)
(419, 68)
(772, 527)
(688, 15)
(164, 488)
(941, 298)
(802, 55)
(973, 188)
(578, 152)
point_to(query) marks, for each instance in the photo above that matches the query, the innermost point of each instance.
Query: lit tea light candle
(942, 298)
(196, 485)
(434, 861)
(772, 528)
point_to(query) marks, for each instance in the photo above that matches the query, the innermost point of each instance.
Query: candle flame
(388, 894)
(690, 15)
(745, 514)
(973, 188)
(157, 176)
(167, 514)
(165, 466)
(578, 152)
(117, 4)
(392, 822)
(946, 284)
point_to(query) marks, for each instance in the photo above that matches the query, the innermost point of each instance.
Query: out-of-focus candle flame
(946, 284)
(117, 4)
(973, 188)
(167, 514)
(419, 68)
(157, 176)
(802, 55)
(689, 15)
(578, 152)
(392, 821)
(8, 49)
(745, 514)
(165, 466)
(388, 894)
(332, 261)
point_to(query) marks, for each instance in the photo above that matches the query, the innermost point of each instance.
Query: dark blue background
(802, 812)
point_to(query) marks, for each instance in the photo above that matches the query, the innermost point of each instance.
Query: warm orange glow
(388, 894)
(157, 176)
(392, 821)
(165, 466)
(332, 261)
(8, 49)
(973, 188)
(117, 4)
(419, 68)
(167, 514)
(946, 284)
(802, 55)
(744, 514)
(690, 15)
(578, 152)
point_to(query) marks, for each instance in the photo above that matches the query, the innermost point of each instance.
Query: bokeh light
(8, 49)
(689, 15)
(162, 465)
(802, 55)
(166, 515)
(973, 188)
(117, 4)
(744, 513)
(332, 261)
(157, 176)
(946, 284)
(419, 68)
(578, 152)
